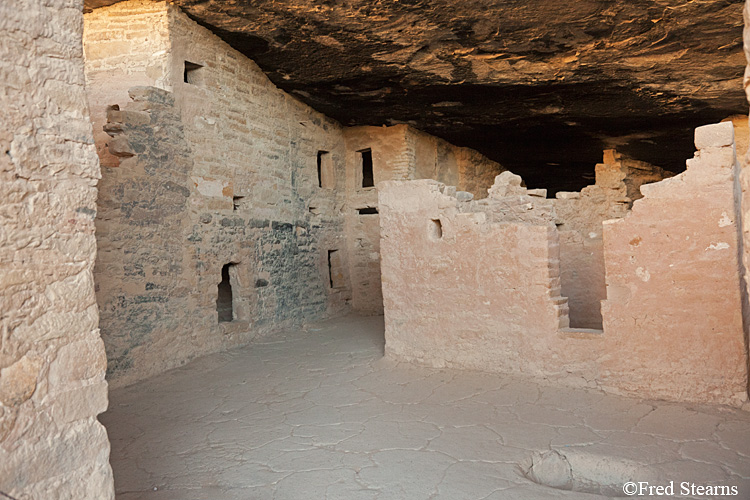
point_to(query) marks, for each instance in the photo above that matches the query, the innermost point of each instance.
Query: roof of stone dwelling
(542, 86)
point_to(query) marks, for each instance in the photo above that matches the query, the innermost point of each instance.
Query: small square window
(193, 73)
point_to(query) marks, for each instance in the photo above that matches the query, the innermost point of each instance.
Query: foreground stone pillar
(745, 196)
(52, 360)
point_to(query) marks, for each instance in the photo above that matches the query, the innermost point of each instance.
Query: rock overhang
(537, 85)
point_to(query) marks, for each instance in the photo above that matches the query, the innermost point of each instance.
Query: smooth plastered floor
(318, 413)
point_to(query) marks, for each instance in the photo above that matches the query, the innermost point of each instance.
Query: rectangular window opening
(368, 178)
(224, 298)
(368, 211)
(335, 269)
(193, 74)
(237, 202)
(326, 176)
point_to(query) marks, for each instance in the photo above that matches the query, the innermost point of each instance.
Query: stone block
(18, 381)
(77, 362)
(464, 196)
(610, 156)
(120, 146)
(717, 135)
(81, 403)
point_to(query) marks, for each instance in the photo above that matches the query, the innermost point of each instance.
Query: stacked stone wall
(465, 168)
(392, 159)
(219, 171)
(476, 284)
(126, 45)
(579, 218)
(674, 307)
(462, 290)
(248, 193)
(52, 360)
(399, 152)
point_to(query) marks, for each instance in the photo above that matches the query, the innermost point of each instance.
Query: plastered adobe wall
(484, 290)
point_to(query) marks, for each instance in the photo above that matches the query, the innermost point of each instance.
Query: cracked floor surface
(320, 414)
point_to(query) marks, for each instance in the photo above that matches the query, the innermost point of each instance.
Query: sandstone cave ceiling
(541, 86)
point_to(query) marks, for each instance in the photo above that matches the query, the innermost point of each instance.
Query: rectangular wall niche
(368, 177)
(193, 73)
(335, 269)
(326, 177)
(224, 299)
(237, 202)
(367, 211)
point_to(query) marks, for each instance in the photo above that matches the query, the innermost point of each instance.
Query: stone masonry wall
(52, 360)
(141, 271)
(440, 160)
(220, 171)
(227, 170)
(462, 290)
(126, 45)
(399, 152)
(579, 223)
(476, 284)
(673, 312)
(391, 159)
(744, 160)
(262, 145)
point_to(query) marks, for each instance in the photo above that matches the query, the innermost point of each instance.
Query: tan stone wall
(579, 222)
(52, 360)
(673, 307)
(745, 189)
(474, 293)
(440, 160)
(486, 294)
(391, 159)
(221, 170)
(476, 172)
(399, 152)
(126, 45)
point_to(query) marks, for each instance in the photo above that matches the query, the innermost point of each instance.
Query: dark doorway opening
(224, 298)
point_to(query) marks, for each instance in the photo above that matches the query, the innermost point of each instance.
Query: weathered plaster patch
(725, 220)
(211, 187)
(718, 246)
(643, 274)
